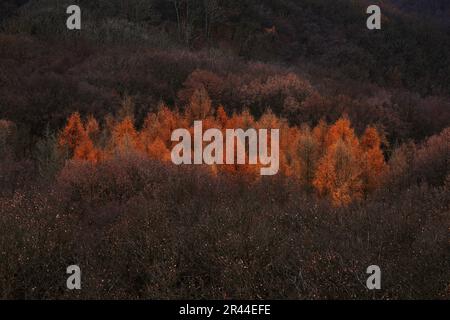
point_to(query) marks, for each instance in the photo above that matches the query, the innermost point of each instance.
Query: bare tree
(212, 13)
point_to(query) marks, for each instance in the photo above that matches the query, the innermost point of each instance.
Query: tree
(373, 164)
(341, 130)
(199, 105)
(86, 151)
(73, 134)
(48, 156)
(339, 173)
(213, 84)
(308, 156)
(212, 13)
(92, 128)
(157, 150)
(126, 109)
(320, 133)
(125, 137)
(221, 117)
(186, 14)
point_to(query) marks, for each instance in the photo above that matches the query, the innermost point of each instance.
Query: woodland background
(85, 127)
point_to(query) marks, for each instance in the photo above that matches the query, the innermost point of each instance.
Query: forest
(86, 176)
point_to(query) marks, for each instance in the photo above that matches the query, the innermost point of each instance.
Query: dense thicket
(141, 229)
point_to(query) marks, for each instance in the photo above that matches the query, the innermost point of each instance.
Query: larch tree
(341, 130)
(221, 116)
(73, 134)
(339, 173)
(92, 128)
(157, 150)
(125, 137)
(87, 151)
(167, 122)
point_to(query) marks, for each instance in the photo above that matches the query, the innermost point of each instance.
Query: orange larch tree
(339, 173)
(73, 134)
(125, 137)
(87, 151)
(76, 139)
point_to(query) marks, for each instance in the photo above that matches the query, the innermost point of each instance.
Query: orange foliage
(86, 151)
(330, 160)
(77, 138)
(125, 136)
(341, 130)
(339, 175)
(92, 128)
(157, 150)
(222, 117)
(74, 132)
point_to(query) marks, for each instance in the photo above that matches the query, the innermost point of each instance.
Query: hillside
(90, 173)
(406, 66)
(331, 34)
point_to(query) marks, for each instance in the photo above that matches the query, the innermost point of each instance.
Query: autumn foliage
(329, 159)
